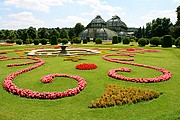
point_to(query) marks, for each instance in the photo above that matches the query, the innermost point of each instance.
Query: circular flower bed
(86, 66)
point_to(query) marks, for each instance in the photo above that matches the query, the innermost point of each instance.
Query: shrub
(147, 41)
(19, 41)
(126, 41)
(142, 41)
(155, 41)
(177, 42)
(77, 40)
(98, 41)
(43, 41)
(173, 41)
(88, 39)
(9, 41)
(59, 40)
(36, 41)
(85, 41)
(115, 40)
(64, 41)
(119, 39)
(53, 40)
(167, 41)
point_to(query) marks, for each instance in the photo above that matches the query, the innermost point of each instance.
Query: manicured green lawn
(166, 107)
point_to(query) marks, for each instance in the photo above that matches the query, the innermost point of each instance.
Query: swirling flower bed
(10, 87)
(112, 73)
(86, 66)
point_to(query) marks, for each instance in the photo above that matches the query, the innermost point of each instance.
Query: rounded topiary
(115, 40)
(167, 41)
(59, 40)
(77, 40)
(98, 41)
(64, 41)
(142, 41)
(126, 41)
(19, 41)
(155, 41)
(36, 41)
(43, 41)
(53, 40)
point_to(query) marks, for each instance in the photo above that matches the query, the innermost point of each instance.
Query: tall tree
(43, 33)
(54, 32)
(176, 32)
(63, 34)
(31, 32)
(78, 28)
(71, 33)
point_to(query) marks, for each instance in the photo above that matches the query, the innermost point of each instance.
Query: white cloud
(100, 7)
(176, 0)
(153, 14)
(70, 21)
(22, 20)
(40, 5)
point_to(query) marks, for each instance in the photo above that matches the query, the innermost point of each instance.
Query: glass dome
(116, 24)
(97, 22)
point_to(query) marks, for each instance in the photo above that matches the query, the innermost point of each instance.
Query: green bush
(177, 42)
(155, 41)
(126, 41)
(9, 41)
(119, 39)
(88, 39)
(167, 41)
(59, 40)
(115, 40)
(53, 40)
(36, 41)
(98, 41)
(147, 41)
(64, 41)
(43, 41)
(142, 41)
(85, 41)
(77, 40)
(19, 41)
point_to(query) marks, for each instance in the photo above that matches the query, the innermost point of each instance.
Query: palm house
(97, 29)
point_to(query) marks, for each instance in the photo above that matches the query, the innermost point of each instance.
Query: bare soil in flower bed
(165, 107)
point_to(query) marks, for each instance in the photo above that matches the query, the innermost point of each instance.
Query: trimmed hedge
(126, 41)
(43, 41)
(36, 41)
(19, 41)
(177, 42)
(53, 40)
(155, 41)
(167, 41)
(115, 40)
(142, 41)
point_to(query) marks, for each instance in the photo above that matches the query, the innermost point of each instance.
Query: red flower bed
(10, 87)
(86, 66)
(112, 73)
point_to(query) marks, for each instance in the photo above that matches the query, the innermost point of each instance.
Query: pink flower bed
(112, 73)
(86, 66)
(10, 87)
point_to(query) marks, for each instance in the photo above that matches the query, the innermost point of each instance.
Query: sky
(20, 14)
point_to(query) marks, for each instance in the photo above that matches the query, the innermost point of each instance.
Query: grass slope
(166, 107)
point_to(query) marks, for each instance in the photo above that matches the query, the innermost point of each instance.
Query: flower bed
(112, 73)
(10, 87)
(116, 95)
(86, 66)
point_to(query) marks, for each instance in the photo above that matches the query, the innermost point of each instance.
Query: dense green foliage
(98, 41)
(43, 41)
(155, 41)
(36, 41)
(115, 40)
(167, 41)
(126, 40)
(53, 40)
(142, 41)
(18, 41)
